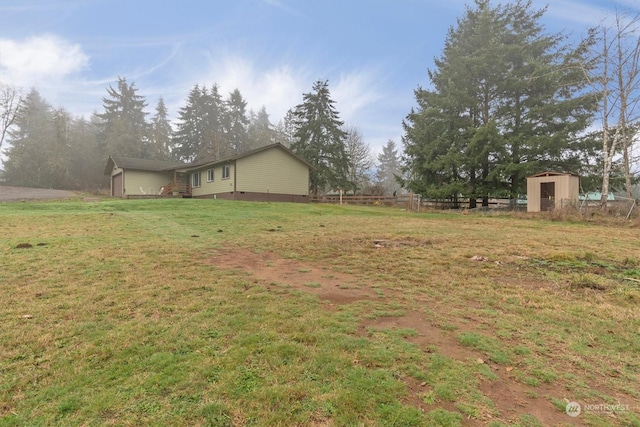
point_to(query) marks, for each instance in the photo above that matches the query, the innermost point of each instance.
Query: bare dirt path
(17, 194)
(510, 397)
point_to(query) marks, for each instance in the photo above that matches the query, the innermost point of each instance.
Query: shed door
(547, 195)
(116, 185)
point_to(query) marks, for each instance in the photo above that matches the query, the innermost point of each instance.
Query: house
(270, 173)
(136, 177)
(549, 190)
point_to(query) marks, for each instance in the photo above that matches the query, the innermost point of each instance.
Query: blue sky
(374, 53)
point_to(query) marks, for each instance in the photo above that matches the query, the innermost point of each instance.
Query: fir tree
(508, 100)
(200, 134)
(160, 133)
(237, 122)
(389, 168)
(123, 126)
(320, 139)
(189, 138)
(29, 141)
(260, 131)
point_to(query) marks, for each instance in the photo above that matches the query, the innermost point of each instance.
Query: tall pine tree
(30, 140)
(260, 132)
(237, 122)
(123, 126)
(320, 139)
(389, 167)
(201, 134)
(160, 133)
(508, 100)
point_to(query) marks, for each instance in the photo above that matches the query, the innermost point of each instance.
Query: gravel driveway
(13, 194)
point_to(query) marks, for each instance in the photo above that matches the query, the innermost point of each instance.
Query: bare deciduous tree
(616, 76)
(360, 159)
(9, 102)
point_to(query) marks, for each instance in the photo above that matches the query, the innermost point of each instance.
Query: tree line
(48, 147)
(508, 99)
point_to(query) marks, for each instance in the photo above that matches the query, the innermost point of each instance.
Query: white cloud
(278, 87)
(354, 93)
(282, 6)
(40, 60)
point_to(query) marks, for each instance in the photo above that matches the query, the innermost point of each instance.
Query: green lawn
(119, 313)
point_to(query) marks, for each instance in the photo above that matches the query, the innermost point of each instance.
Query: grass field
(216, 313)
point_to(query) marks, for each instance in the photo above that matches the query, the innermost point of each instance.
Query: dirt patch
(429, 337)
(275, 272)
(16, 194)
(510, 397)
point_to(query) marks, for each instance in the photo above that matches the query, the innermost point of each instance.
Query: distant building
(271, 173)
(550, 190)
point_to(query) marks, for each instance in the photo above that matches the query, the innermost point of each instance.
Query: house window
(210, 175)
(195, 179)
(225, 172)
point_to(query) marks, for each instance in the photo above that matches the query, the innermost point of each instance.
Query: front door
(547, 196)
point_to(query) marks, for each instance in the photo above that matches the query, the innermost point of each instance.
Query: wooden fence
(414, 202)
(408, 201)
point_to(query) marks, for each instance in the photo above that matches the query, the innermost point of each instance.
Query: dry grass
(120, 317)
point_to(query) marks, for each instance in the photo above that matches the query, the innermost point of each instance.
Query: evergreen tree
(320, 139)
(260, 131)
(389, 167)
(217, 143)
(29, 141)
(508, 100)
(237, 122)
(86, 162)
(189, 138)
(201, 130)
(123, 126)
(51, 149)
(160, 133)
(59, 150)
(285, 130)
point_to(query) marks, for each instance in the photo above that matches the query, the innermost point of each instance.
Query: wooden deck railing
(178, 188)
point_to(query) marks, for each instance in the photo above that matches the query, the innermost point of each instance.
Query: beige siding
(218, 185)
(272, 171)
(145, 182)
(567, 188)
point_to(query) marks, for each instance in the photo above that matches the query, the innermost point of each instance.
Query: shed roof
(551, 173)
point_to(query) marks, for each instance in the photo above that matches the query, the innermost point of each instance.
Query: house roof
(551, 173)
(140, 164)
(162, 165)
(277, 145)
